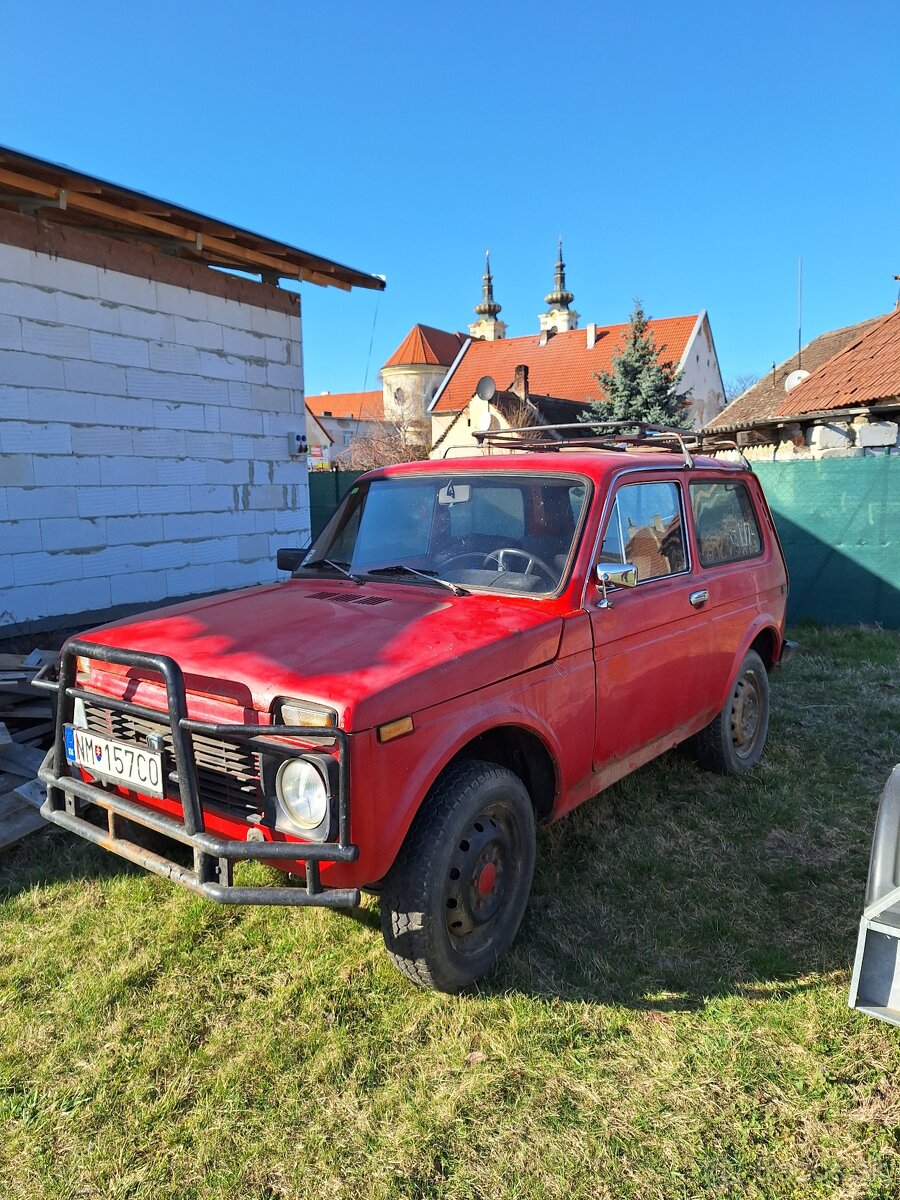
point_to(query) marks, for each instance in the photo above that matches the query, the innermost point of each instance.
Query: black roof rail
(611, 435)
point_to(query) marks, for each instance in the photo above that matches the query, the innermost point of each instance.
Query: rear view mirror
(615, 575)
(289, 559)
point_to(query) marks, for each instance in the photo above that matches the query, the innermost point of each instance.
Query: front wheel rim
(484, 875)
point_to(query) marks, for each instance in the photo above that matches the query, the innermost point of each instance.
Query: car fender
(445, 734)
(762, 623)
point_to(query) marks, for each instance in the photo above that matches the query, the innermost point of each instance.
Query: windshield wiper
(430, 576)
(329, 562)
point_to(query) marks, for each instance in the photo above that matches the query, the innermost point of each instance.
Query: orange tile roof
(761, 403)
(424, 345)
(360, 406)
(867, 371)
(563, 367)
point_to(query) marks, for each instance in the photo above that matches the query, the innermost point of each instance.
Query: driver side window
(646, 529)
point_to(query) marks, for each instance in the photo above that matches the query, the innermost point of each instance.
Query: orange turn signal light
(395, 729)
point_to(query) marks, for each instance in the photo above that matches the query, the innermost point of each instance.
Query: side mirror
(615, 575)
(289, 559)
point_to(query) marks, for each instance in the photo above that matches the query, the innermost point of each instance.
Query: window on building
(725, 523)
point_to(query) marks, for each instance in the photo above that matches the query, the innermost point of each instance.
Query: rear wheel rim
(745, 714)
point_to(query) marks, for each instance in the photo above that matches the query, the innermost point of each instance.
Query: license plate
(120, 762)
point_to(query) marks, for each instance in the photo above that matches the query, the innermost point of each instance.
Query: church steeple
(488, 306)
(559, 318)
(487, 327)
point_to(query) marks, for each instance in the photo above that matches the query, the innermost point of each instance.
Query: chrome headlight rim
(317, 829)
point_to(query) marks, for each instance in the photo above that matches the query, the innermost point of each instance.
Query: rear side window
(645, 529)
(727, 530)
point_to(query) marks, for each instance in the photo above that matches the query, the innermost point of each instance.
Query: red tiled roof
(762, 402)
(424, 345)
(867, 371)
(563, 367)
(360, 406)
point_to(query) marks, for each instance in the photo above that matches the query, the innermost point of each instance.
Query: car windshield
(500, 532)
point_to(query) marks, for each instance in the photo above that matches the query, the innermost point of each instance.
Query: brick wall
(143, 433)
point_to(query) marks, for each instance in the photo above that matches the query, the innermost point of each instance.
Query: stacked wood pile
(26, 732)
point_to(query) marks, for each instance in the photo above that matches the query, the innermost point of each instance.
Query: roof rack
(612, 435)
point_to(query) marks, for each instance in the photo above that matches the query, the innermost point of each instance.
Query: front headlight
(302, 792)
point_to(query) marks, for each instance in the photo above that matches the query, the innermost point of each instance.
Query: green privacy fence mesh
(325, 490)
(839, 523)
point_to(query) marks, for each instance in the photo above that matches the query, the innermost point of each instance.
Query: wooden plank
(25, 711)
(12, 662)
(40, 658)
(33, 793)
(33, 733)
(19, 819)
(8, 781)
(19, 687)
(21, 760)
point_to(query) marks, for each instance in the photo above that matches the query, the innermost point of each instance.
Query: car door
(650, 642)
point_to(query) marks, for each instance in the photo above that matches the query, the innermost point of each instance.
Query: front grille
(227, 775)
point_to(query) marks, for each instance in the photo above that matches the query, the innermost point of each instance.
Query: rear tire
(735, 740)
(454, 899)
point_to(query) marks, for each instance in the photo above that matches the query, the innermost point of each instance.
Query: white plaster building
(565, 366)
(152, 417)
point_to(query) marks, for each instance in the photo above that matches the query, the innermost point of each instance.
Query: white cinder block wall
(144, 450)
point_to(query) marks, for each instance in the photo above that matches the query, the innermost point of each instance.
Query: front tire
(454, 899)
(735, 740)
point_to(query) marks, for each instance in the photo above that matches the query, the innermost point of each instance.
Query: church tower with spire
(559, 318)
(488, 328)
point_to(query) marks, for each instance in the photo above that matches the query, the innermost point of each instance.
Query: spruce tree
(639, 387)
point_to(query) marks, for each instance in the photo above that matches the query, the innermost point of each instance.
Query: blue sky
(688, 154)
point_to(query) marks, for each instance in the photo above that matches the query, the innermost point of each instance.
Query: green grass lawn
(671, 1022)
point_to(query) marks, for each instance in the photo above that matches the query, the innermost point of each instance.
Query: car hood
(374, 653)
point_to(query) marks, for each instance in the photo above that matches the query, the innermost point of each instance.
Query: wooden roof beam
(243, 256)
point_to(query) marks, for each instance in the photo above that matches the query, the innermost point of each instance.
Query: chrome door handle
(698, 598)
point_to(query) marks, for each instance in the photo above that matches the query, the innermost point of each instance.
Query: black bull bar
(214, 856)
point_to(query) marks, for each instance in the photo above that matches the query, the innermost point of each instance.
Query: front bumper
(68, 795)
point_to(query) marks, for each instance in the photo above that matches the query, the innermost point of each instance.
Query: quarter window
(725, 522)
(646, 529)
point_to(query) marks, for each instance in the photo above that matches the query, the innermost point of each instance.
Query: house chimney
(520, 387)
(591, 335)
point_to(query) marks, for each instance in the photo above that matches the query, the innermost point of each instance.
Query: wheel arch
(507, 739)
(523, 752)
(763, 636)
(766, 643)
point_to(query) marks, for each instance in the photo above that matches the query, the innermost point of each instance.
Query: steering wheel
(473, 557)
(531, 560)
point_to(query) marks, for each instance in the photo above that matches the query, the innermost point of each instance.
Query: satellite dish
(487, 422)
(485, 388)
(794, 378)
